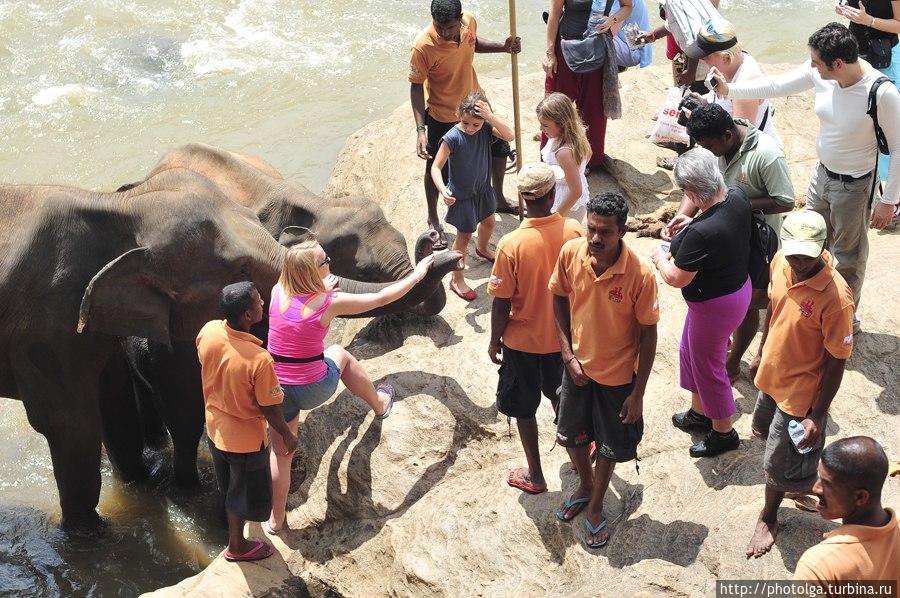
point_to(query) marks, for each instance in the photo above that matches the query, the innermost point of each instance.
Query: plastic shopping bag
(667, 128)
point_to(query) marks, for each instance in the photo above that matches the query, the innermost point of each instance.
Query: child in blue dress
(467, 147)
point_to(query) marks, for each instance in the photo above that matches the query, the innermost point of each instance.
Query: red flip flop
(259, 551)
(484, 256)
(470, 295)
(516, 478)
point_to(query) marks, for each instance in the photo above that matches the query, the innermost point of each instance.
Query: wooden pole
(515, 87)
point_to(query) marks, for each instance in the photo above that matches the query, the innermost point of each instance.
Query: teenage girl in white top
(567, 148)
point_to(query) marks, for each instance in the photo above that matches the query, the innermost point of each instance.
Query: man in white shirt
(842, 186)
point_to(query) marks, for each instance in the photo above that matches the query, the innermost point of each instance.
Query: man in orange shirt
(441, 64)
(606, 309)
(807, 339)
(867, 546)
(241, 393)
(522, 325)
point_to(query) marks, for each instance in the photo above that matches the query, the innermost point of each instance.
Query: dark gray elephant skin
(149, 262)
(353, 230)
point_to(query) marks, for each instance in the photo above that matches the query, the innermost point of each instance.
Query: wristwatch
(420, 128)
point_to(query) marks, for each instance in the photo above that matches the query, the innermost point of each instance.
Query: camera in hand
(687, 103)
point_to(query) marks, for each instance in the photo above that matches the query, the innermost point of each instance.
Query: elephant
(353, 230)
(80, 271)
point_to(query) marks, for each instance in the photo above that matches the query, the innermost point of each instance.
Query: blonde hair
(300, 273)
(560, 110)
(733, 52)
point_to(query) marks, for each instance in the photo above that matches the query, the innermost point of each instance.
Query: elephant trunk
(421, 293)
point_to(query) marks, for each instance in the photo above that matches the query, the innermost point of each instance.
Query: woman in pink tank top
(300, 314)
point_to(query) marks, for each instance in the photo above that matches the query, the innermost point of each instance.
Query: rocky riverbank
(418, 504)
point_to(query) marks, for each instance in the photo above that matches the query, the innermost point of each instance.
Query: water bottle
(797, 432)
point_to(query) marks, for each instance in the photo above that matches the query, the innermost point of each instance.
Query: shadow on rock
(352, 517)
(797, 531)
(388, 333)
(741, 467)
(877, 357)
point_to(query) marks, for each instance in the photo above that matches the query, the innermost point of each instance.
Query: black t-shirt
(716, 245)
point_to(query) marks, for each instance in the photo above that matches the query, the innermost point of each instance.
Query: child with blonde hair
(471, 201)
(303, 304)
(568, 149)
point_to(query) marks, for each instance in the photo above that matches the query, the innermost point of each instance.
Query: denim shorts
(303, 397)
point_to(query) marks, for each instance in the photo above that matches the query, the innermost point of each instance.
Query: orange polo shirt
(445, 68)
(607, 310)
(854, 553)
(238, 377)
(808, 319)
(525, 260)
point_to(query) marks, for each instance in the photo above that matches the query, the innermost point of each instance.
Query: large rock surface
(418, 504)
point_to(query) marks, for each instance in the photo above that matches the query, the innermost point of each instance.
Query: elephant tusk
(81, 324)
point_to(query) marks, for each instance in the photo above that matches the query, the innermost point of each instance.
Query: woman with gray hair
(708, 261)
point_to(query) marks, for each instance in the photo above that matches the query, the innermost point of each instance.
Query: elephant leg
(75, 452)
(58, 386)
(121, 422)
(181, 406)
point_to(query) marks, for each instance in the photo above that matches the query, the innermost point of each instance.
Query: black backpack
(873, 112)
(763, 246)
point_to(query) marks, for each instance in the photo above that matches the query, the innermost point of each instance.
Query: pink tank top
(292, 335)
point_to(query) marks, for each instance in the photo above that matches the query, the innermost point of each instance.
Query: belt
(284, 359)
(844, 178)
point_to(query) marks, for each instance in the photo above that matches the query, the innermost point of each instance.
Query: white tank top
(548, 156)
(765, 115)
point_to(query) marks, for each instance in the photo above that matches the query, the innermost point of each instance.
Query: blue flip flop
(595, 530)
(572, 502)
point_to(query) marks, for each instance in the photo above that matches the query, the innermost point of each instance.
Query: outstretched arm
(794, 82)
(508, 46)
(347, 304)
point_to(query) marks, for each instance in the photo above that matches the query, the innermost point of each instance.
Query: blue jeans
(303, 397)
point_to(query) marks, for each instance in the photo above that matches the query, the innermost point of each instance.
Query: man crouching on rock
(606, 308)
(522, 325)
(241, 393)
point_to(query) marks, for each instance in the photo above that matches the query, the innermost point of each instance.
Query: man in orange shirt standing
(606, 309)
(522, 325)
(441, 74)
(867, 546)
(807, 340)
(241, 393)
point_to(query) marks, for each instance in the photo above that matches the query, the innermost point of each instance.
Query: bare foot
(763, 539)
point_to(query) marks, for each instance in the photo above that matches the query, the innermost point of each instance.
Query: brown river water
(92, 92)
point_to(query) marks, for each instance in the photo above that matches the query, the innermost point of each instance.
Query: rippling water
(93, 91)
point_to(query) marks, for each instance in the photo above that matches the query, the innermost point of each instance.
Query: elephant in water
(362, 244)
(366, 251)
(79, 271)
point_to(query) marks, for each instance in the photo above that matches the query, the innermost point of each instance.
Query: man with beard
(606, 309)
(867, 545)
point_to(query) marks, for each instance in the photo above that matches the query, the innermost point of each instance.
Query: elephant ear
(122, 300)
(291, 235)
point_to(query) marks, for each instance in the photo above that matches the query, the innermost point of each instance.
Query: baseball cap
(715, 35)
(536, 179)
(803, 233)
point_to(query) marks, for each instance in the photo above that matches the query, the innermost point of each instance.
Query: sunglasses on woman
(326, 261)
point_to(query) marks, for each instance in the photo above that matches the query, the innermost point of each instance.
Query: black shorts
(436, 131)
(523, 377)
(591, 413)
(246, 482)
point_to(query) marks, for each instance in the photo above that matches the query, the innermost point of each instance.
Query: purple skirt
(704, 349)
